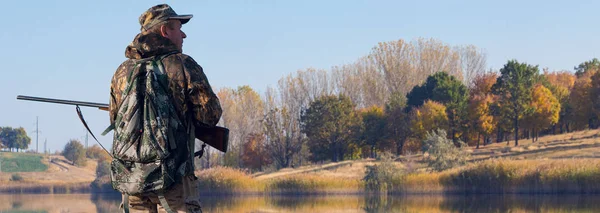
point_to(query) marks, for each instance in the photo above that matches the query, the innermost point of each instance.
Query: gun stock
(217, 136)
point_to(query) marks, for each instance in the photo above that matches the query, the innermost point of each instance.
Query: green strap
(164, 204)
(126, 203)
(108, 129)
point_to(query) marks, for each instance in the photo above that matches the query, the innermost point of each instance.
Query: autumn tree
(481, 119)
(562, 83)
(75, 153)
(513, 88)
(242, 112)
(328, 123)
(480, 102)
(580, 100)
(278, 128)
(405, 64)
(255, 153)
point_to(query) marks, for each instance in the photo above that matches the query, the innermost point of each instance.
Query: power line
(37, 132)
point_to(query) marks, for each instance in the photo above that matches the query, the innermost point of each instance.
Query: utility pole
(45, 142)
(36, 135)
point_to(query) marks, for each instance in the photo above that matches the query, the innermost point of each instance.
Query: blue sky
(70, 49)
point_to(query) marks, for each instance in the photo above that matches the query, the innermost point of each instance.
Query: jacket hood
(148, 45)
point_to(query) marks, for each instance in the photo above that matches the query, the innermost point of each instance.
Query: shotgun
(216, 137)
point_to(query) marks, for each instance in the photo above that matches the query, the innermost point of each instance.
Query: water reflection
(365, 204)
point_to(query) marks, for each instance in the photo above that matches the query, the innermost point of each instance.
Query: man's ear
(163, 30)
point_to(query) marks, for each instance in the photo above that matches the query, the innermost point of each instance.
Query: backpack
(146, 155)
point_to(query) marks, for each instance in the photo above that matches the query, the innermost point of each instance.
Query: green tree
(449, 91)
(14, 138)
(22, 140)
(396, 118)
(330, 126)
(513, 88)
(75, 152)
(595, 94)
(586, 66)
(373, 121)
(7, 137)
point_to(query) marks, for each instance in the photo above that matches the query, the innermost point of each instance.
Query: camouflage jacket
(193, 95)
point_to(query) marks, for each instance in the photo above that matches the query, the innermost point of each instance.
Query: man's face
(175, 34)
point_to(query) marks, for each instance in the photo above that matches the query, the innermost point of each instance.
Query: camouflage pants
(183, 197)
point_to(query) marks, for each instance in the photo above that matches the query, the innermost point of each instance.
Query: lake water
(477, 203)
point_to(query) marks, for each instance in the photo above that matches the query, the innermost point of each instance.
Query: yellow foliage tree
(545, 109)
(430, 116)
(479, 112)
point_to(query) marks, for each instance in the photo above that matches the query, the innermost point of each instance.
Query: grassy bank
(21, 162)
(568, 176)
(496, 176)
(46, 188)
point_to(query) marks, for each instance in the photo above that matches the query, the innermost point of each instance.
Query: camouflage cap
(160, 13)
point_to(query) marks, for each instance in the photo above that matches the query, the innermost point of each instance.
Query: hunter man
(190, 96)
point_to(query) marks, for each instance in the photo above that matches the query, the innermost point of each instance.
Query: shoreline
(497, 177)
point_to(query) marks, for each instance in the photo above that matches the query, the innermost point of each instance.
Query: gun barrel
(60, 101)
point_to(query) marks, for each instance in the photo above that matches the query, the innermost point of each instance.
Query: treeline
(390, 99)
(14, 139)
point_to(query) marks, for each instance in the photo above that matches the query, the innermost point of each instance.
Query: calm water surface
(480, 203)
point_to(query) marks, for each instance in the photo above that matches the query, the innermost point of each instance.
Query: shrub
(16, 177)
(383, 177)
(75, 152)
(443, 154)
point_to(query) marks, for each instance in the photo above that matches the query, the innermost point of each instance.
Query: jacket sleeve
(115, 96)
(117, 85)
(203, 102)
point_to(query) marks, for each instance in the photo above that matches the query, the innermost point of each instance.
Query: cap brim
(183, 18)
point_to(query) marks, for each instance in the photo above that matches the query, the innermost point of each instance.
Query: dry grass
(581, 144)
(313, 184)
(528, 176)
(223, 181)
